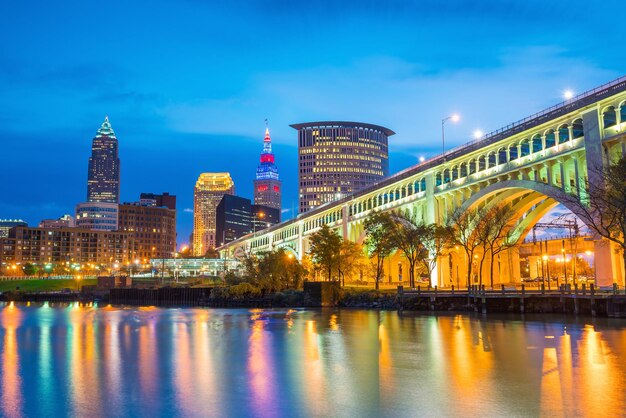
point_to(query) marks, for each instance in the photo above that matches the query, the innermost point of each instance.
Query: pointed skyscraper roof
(106, 129)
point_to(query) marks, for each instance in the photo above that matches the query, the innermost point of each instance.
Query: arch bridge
(533, 164)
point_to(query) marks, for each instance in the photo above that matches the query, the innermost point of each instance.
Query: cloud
(188, 210)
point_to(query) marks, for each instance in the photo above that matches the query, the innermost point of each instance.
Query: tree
(603, 209)
(30, 269)
(498, 227)
(212, 253)
(325, 246)
(468, 232)
(350, 259)
(380, 242)
(273, 271)
(436, 239)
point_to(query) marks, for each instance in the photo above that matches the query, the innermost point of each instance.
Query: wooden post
(521, 301)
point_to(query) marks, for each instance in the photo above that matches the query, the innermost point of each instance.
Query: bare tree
(408, 238)
(603, 208)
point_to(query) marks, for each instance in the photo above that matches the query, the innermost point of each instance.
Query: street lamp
(568, 94)
(454, 118)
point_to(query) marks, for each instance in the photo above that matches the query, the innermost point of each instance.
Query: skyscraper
(267, 186)
(233, 219)
(339, 158)
(209, 190)
(103, 182)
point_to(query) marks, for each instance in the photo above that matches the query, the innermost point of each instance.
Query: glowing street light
(422, 159)
(454, 118)
(478, 134)
(568, 94)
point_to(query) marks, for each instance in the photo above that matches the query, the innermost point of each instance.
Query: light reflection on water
(75, 360)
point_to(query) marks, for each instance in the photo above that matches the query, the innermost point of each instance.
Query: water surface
(73, 360)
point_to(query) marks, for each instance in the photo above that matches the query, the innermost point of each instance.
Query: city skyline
(182, 100)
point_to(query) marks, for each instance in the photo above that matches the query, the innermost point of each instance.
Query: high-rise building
(100, 216)
(233, 219)
(152, 229)
(209, 190)
(339, 158)
(267, 186)
(103, 182)
(263, 217)
(158, 200)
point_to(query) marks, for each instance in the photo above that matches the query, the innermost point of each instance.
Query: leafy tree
(325, 246)
(212, 253)
(603, 209)
(30, 269)
(468, 232)
(349, 260)
(380, 242)
(498, 228)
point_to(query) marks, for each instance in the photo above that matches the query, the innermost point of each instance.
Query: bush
(243, 290)
(220, 293)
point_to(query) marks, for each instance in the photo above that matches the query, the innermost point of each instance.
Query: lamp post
(454, 118)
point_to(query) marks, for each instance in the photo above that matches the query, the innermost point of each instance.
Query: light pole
(454, 118)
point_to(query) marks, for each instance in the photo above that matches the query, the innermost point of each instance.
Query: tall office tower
(233, 219)
(267, 186)
(209, 190)
(103, 182)
(339, 158)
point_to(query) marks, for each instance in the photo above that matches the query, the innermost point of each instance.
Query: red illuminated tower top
(267, 186)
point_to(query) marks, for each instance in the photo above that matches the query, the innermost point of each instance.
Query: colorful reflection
(59, 360)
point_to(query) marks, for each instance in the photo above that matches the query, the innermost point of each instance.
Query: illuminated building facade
(209, 191)
(103, 181)
(339, 158)
(152, 229)
(61, 245)
(62, 222)
(264, 217)
(267, 186)
(7, 224)
(97, 215)
(160, 200)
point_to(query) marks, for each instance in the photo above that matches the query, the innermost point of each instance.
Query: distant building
(64, 245)
(233, 219)
(7, 224)
(267, 186)
(196, 267)
(264, 217)
(339, 158)
(65, 221)
(103, 181)
(97, 215)
(152, 230)
(159, 200)
(209, 190)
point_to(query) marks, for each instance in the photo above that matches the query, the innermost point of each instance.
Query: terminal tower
(267, 186)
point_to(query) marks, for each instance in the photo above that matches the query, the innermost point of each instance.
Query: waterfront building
(64, 245)
(208, 192)
(7, 224)
(64, 221)
(99, 216)
(195, 267)
(336, 159)
(264, 217)
(103, 182)
(152, 229)
(159, 200)
(233, 219)
(267, 186)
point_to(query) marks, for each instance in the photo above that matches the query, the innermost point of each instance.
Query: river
(87, 361)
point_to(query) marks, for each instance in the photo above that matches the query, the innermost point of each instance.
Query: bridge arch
(555, 196)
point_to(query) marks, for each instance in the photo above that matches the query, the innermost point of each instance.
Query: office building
(152, 230)
(232, 219)
(65, 221)
(339, 158)
(160, 200)
(103, 181)
(7, 224)
(208, 192)
(264, 217)
(99, 216)
(267, 186)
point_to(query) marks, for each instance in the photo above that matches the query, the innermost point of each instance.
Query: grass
(43, 285)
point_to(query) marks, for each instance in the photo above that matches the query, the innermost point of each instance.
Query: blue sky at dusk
(187, 85)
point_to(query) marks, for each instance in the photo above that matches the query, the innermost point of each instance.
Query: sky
(187, 85)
